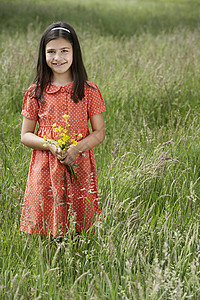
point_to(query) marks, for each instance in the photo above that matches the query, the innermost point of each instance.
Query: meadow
(145, 57)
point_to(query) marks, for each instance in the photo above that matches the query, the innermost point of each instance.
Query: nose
(57, 55)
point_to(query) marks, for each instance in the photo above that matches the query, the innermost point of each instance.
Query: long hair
(44, 72)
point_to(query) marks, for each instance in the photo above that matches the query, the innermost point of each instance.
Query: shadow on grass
(120, 20)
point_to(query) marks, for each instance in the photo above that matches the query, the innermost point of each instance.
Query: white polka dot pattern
(51, 201)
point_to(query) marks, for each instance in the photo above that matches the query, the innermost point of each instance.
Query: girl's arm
(95, 138)
(33, 141)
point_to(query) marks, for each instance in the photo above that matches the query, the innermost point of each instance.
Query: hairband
(61, 28)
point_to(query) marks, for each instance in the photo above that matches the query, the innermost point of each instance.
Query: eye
(65, 51)
(50, 51)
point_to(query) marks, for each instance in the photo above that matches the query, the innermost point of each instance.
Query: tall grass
(144, 55)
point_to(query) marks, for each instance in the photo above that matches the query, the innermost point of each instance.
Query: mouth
(58, 64)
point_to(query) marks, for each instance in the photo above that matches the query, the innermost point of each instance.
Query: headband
(61, 28)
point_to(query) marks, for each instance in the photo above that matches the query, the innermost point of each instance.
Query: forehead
(58, 44)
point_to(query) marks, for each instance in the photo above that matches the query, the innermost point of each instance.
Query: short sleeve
(95, 101)
(30, 106)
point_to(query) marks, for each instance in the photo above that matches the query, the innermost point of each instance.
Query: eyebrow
(58, 49)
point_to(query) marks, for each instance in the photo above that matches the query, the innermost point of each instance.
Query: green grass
(144, 55)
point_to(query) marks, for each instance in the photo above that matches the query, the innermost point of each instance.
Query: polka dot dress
(51, 201)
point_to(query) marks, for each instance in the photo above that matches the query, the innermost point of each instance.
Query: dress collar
(53, 88)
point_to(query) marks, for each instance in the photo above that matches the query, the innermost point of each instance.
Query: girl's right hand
(56, 151)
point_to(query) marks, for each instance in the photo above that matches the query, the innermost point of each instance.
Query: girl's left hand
(70, 157)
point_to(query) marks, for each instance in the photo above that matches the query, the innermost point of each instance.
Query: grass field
(145, 57)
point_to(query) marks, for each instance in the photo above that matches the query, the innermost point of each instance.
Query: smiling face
(59, 58)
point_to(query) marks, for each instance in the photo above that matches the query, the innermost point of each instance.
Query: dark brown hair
(44, 73)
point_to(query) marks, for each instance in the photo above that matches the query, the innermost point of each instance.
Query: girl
(61, 88)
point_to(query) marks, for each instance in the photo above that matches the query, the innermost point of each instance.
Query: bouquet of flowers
(64, 141)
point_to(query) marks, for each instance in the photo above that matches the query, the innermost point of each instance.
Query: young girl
(61, 88)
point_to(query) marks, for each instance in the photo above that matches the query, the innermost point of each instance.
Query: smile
(58, 65)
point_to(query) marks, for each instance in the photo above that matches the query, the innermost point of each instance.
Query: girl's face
(59, 56)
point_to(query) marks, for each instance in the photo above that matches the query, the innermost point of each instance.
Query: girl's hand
(70, 157)
(56, 151)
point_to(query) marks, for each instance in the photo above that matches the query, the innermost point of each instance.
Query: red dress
(51, 201)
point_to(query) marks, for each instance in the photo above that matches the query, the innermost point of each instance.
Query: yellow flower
(80, 135)
(65, 116)
(68, 124)
(45, 145)
(66, 138)
(56, 129)
(74, 142)
(45, 138)
(54, 125)
(60, 128)
(60, 142)
(65, 130)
